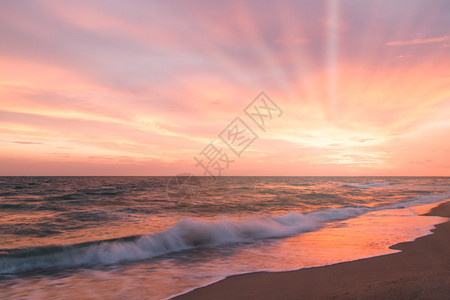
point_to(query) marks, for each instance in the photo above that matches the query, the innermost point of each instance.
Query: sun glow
(363, 88)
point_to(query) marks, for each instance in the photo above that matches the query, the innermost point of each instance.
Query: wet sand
(420, 271)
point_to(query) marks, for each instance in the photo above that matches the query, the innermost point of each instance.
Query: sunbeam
(156, 83)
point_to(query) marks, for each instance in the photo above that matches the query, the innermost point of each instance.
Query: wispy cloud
(404, 56)
(92, 88)
(292, 41)
(27, 143)
(418, 41)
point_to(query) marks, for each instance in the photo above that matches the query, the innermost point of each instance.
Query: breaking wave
(186, 234)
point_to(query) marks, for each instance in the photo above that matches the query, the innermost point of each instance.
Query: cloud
(418, 41)
(404, 56)
(292, 41)
(159, 81)
(28, 143)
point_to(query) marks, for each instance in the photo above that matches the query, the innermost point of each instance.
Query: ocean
(157, 237)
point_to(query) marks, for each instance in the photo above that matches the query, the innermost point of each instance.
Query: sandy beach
(420, 271)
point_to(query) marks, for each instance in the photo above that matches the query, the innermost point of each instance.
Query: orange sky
(141, 88)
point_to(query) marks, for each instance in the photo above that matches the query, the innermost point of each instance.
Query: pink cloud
(418, 41)
(149, 85)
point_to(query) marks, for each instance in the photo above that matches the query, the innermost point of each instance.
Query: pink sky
(141, 87)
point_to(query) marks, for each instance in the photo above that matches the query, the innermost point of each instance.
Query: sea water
(139, 238)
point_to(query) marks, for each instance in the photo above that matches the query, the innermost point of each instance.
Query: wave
(419, 200)
(186, 234)
(369, 185)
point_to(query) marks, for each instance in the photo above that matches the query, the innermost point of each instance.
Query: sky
(351, 88)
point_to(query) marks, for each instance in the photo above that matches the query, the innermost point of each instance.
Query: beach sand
(420, 271)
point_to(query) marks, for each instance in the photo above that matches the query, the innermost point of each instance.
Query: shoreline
(420, 270)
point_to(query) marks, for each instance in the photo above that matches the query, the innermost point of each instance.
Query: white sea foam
(370, 185)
